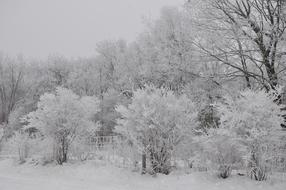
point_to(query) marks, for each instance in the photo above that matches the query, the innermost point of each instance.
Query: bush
(22, 141)
(62, 116)
(224, 171)
(258, 173)
(251, 117)
(19, 145)
(258, 166)
(222, 153)
(156, 122)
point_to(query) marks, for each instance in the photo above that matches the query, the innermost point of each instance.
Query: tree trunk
(144, 159)
(160, 160)
(62, 150)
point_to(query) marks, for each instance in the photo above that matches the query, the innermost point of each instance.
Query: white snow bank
(95, 176)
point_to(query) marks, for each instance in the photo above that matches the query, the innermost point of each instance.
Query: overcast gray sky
(37, 28)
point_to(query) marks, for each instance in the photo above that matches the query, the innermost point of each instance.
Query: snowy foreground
(95, 176)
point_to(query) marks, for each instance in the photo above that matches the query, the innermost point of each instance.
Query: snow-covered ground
(94, 176)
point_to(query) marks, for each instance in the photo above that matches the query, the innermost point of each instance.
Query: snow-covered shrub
(62, 116)
(257, 162)
(14, 121)
(22, 140)
(25, 147)
(125, 149)
(278, 151)
(18, 145)
(222, 153)
(156, 122)
(251, 116)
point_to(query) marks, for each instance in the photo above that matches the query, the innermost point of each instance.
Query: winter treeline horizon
(204, 85)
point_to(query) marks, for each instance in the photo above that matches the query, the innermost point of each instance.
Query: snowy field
(93, 176)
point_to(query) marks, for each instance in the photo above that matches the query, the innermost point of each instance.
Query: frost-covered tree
(249, 38)
(166, 51)
(221, 153)
(84, 75)
(110, 59)
(11, 91)
(156, 122)
(251, 117)
(62, 116)
(108, 115)
(59, 69)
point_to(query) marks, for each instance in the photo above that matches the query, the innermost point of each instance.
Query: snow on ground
(93, 176)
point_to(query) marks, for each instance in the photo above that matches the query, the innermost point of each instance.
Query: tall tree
(252, 36)
(11, 75)
(166, 50)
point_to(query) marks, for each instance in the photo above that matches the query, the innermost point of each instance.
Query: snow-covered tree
(249, 38)
(166, 51)
(108, 115)
(156, 122)
(62, 116)
(11, 85)
(251, 117)
(83, 77)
